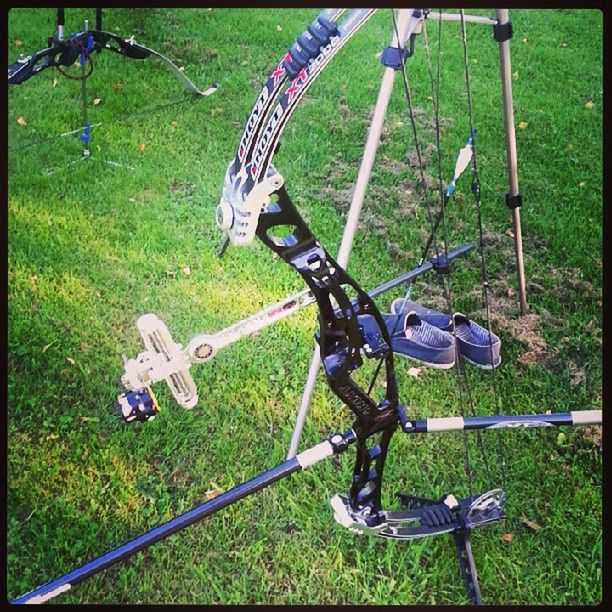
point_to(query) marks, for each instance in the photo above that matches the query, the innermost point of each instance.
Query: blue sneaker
(414, 338)
(473, 341)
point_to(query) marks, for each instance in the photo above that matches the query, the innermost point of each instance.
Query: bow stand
(62, 52)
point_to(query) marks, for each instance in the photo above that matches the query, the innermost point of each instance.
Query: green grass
(92, 247)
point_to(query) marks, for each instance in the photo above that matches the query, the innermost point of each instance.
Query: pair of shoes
(411, 337)
(477, 345)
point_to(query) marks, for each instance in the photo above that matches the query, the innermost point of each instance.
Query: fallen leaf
(70, 360)
(118, 86)
(86, 419)
(515, 74)
(509, 233)
(507, 537)
(18, 42)
(279, 28)
(97, 101)
(582, 184)
(414, 372)
(21, 121)
(186, 270)
(54, 82)
(522, 125)
(174, 124)
(564, 45)
(577, 375)
(524, 40)
(52, 437)
(182, 69)
(213, 491)
(142, 147)
(531, 524)
(589, 104)
(48, 345)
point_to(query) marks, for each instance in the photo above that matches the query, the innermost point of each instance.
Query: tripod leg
(466, 563)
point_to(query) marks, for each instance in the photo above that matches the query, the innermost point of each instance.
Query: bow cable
(417, 146)
(484, 276)
(442, 220)
(462, 380)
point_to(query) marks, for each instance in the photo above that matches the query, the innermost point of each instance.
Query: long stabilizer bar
(335, 444)
(554, 419)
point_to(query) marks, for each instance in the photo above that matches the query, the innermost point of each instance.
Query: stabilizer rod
(336, 443)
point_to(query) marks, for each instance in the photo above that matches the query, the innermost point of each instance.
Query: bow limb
(128, 47)
(66, 52)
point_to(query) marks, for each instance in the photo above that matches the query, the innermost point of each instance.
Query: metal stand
(514, 196)
(86, 130)
(365, 172)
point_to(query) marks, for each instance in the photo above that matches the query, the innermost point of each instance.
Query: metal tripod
(502, 33)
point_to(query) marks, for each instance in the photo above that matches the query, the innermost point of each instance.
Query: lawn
(93, 245)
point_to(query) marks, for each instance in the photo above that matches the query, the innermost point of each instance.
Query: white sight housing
(162, 359)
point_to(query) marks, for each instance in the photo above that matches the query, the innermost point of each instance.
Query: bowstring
(425, 190)
(483, 268)
(463, 385)
(462, 378)
(433, 239)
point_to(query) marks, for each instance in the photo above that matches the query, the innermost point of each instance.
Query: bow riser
(340, 337)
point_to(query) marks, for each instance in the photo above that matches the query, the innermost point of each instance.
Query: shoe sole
(435, 366)
(481, 366)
